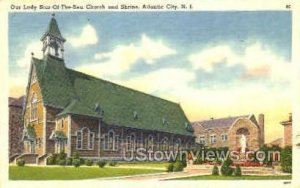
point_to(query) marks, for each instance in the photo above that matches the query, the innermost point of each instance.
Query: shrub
(62, 162)
(61, 156)
(55, 158)
(21, 162)
(112, 163)
(178, 166)
(51, 160)
(198, 160)
(82, 161)
(89, 162)
(286, 159)
(170, 167)
(69, 161)
(215, 170)
(76, 155)
(238, 171)
(226, 170)
(76, 162)
(101, 163)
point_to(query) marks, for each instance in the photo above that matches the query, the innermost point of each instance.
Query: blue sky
(212, 63)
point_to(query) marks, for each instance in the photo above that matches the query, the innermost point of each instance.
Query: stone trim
(69, 137)
(44, 132)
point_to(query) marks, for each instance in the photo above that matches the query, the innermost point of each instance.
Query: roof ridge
(220, 118)
(121, 86)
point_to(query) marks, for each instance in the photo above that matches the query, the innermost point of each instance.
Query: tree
(215, 170)
(286, 159)
(226, 170)
(238, 171)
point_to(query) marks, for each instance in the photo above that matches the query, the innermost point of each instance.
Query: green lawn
(71, 173)
(146, 164)
(245, 177)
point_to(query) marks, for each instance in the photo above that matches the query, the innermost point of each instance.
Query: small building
(277, 142)
(227, 132)
(287, 131)
(66, 110)
(16, 126)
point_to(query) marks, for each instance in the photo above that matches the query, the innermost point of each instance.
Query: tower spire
(53, 42)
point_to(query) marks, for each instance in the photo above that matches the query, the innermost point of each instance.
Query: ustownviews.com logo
(142, 154)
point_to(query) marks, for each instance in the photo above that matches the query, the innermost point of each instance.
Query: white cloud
(257, 59)
(36, 48)
(163, 80)
(207, 58)
(123, 57)
(87, 37)
(151, 50)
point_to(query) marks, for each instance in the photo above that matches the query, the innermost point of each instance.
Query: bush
(170, 167)
(69, 161)
(178, 166)
(226, 170)
(76, 155)
(286, 159)
(238, 171)
(55, 158)
(61, 156)
(51, 160)
(89, 162)
(215, 170)
(82, 161)
(112, 163)
(21, 162)
(198, 160)
(62, 162)
(76, 162)
(101, 163)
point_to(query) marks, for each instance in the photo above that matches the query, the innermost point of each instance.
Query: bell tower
(53, 42)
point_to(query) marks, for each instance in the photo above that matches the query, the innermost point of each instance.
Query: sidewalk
(158, 176)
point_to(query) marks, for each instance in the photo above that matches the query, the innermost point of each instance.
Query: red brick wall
(287, 135)
(15, 130)
(79, 122)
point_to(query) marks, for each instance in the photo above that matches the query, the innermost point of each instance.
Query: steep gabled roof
(53, 29)
(78, 93)
(221, 122)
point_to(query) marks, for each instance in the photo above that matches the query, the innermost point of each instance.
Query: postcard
(151, 93)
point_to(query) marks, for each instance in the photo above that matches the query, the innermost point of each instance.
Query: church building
(66, 110)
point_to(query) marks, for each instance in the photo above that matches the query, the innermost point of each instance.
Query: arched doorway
(242, 139)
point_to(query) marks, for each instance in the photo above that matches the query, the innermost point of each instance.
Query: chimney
(290, 117)
(261, 123)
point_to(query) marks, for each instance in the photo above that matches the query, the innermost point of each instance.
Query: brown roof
(276, 142)
(219, 123)
(18, 102)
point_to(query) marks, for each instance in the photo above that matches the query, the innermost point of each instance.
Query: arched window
(79, 140)
(33, 106)
(131, 141)
(111, 143)
(85, 139)
(178, 144)
(91, 140)
(164, 144)
(149, 142)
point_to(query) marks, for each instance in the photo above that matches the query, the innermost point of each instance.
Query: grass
(146, 164)
(71, 173)
(244, 177)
